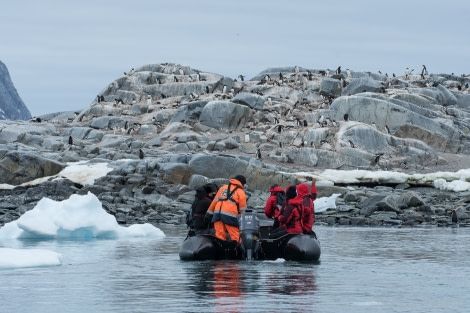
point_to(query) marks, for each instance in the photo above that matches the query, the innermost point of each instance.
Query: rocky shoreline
(168, 128)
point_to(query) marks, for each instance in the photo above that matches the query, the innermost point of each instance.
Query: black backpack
(280, 199)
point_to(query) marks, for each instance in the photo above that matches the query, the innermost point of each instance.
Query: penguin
(351, 143)
(309, 75)
(242, 78)
(258, 154)
(338, 70)
(279, 128)
(408, 73)
(198, 77)
(99, 98)
(141, 154)
(346, 117)
(207, 89)
(305, 123)
(387, 129)
(424, 71)
(180, 71)
(454, 218)
(102, 99)
(224, 90)
(194, 96)
(377, 157)
(175, 79)
(276, 120)
(70, 142)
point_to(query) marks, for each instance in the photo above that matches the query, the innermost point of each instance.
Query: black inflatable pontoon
(255, 244)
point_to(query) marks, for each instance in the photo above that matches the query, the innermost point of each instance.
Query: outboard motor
(249, 233)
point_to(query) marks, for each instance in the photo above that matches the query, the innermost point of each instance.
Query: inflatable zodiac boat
(254, 245)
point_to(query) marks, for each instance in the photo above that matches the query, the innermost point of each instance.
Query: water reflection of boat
(254, 244)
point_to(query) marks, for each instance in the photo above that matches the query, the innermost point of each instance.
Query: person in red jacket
(290, 217)
(274, 203)
(308, 212)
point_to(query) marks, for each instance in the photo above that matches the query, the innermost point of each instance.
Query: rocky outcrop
(166, 128)
(11, 105)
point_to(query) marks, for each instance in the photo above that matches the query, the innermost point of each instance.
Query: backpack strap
(229, 197)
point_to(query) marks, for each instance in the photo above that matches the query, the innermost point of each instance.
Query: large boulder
(254, 101)
(362, 84)
(19, 131)
(21, 167)
(400, 121)
(330, 87)
(189, 111)
(227, 166)
(225, 115)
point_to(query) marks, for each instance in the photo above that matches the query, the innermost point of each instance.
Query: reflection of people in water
(228, 287)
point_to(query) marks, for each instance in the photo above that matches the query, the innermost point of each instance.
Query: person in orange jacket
(226, 207)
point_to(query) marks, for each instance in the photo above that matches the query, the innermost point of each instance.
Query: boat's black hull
(290, 247)
(208, 247)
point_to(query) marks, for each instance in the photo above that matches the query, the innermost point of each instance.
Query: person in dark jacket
(203, 199)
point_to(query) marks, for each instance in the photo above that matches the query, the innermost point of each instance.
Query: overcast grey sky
(61, 54)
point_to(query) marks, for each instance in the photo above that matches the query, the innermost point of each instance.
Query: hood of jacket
(302, 190)
(201, 192)
(275, 189)
(236, 182)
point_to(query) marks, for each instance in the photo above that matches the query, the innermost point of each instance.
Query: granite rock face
(11, 105)
(166, 128)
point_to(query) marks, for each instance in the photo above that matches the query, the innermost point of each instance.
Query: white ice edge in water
(81, 217)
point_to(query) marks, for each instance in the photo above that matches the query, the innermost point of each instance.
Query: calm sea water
(361, 270)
